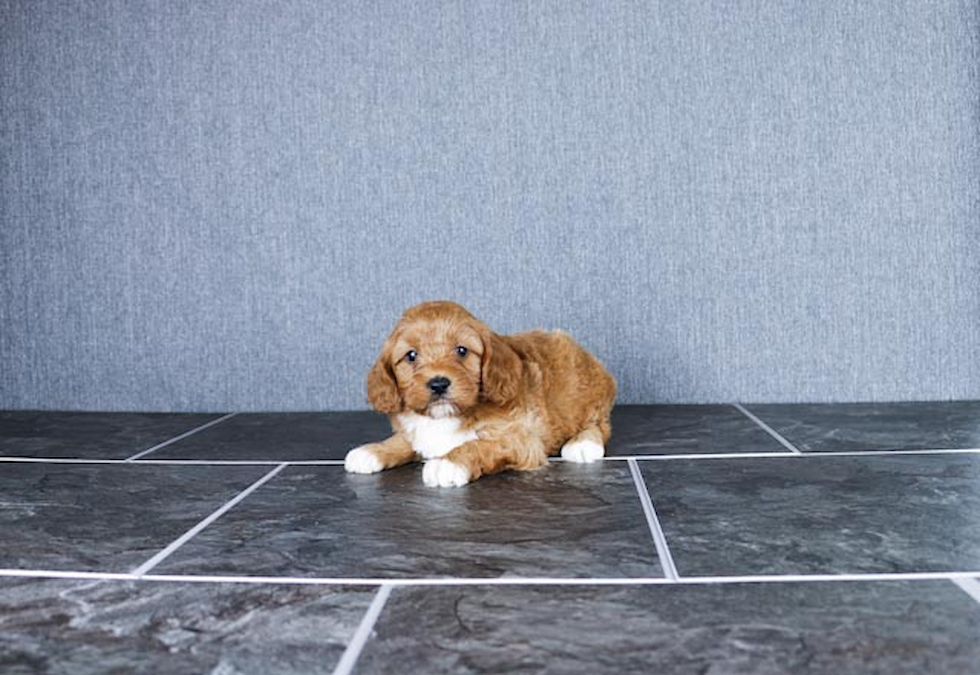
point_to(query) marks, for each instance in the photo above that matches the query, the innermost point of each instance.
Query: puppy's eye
(411, 356)
(462, 351)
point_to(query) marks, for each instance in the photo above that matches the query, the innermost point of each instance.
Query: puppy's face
(439, 362)
(436, 363)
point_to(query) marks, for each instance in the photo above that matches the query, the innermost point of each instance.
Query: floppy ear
(382, 390)
(501, 370)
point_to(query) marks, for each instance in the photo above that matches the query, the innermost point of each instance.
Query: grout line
(59, 460)
(659, 540)
(364, 630)
(138, 455)
(152, 462)
(184, 538)
(882, 453)
(575, 581)
(503, 581)
(67, 574)
(179, 462)
(703, 455)
(769, 430)
(554, 460)
(969, 586)
(436, 581)
(770, 455)
(802, 578)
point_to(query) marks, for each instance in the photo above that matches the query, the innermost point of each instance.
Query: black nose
(439, 385)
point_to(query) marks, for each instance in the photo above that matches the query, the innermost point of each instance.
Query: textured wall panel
(225, 205)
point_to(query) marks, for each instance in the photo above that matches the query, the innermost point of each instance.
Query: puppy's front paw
(582, 452)
(362, 460)
(444, 473)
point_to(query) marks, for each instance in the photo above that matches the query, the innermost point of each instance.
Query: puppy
(470, 402)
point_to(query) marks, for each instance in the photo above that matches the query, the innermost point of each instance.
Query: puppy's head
(440, 361)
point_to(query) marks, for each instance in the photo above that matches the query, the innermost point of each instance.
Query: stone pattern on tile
(832, 628)
(686, 429)
(90, 435)
(564, 520)
(83, 627)
(105, 517)
(849, 427)
(280, 437)
(741, 516)
(820, 514)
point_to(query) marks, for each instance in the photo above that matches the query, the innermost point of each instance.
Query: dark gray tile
(875, 426)
(105, 517)
(124, 627)
(833, 628)
(89, 435)
(637, 430)
(686, 429)
(281, 437)
(560, 521)
(819, 514)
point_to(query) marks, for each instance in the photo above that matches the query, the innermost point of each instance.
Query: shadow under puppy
(470, 402)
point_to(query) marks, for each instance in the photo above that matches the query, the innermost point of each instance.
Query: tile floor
(713, 539)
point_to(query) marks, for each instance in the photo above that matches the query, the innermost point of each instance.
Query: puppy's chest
(434, 437)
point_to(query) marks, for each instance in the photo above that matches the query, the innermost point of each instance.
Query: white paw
(444, 473)
(362, 460)
(582, 451)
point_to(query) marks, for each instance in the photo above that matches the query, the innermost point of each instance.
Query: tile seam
(769, 430)
(966, 576)
(182, 436)
(555, 460)
(969, 585)
(653, 522)
(363, 633)
(171, 462)
(194, 531)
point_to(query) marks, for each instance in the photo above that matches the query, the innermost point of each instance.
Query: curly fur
(513, 399)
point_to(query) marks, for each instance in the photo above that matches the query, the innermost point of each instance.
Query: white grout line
(704, 455)
(969, 586)
(882, 453)
(503, 581)
(437, 581)
(180, 541)
(177, 438)
(59, 460)
(624, 458)
(771, 455)
(571, 581)
(765, 427)
(811, 578)
(364, 630)
(179, 462)
(659, 540)
(149, 462)
(67, 574)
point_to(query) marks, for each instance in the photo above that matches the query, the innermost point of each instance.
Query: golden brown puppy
(470, 402)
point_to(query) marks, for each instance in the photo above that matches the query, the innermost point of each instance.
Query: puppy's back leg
(587, 445)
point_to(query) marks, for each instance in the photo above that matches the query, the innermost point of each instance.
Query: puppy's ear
(382, 389)
(501, 370)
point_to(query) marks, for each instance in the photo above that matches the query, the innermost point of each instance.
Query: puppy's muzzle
(439, 385)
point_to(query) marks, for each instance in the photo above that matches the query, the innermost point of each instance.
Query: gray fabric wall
(225, 205)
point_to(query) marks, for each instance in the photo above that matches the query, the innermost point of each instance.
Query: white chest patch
(434, 437)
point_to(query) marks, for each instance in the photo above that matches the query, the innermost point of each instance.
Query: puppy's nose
(439, 385)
